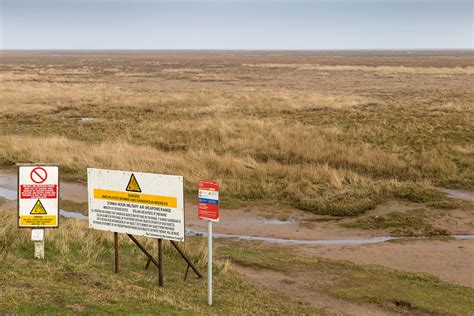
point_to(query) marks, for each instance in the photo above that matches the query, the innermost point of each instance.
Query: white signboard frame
(38, 196)
(136, 203)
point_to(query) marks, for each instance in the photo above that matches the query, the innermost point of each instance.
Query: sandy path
(450, 260)
(296, 287)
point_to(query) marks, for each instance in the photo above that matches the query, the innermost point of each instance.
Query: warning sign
(208, 200)
(38, 208)
(132, 185)
(38, 196)
(38, 175)
(135, 203)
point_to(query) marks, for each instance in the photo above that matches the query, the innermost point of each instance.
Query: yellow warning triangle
(38, 208)
(132, 185)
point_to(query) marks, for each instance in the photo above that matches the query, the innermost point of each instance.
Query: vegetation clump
(412, 223)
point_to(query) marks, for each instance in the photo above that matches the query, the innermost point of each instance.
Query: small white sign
(38, 196)
(37, 234)
(136, 203)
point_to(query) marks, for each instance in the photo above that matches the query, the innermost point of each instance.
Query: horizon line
(229, 49)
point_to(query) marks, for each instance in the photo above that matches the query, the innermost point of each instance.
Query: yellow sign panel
(38, 220)
(148, 199)
(133, 184)
(38, 208)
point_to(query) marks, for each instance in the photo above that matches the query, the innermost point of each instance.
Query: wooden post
(116, 246)
(160, 262)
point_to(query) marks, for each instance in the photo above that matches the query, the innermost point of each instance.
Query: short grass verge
(77, 277)
(398, 291)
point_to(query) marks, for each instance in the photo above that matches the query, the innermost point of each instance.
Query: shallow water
(8, 185)
(74, 215)
(8, 193)
(459, 194)
(279, 222)
(361, 241)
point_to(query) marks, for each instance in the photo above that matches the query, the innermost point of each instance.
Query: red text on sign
(33, 191)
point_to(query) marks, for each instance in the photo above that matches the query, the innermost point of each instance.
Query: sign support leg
(139, 245)
(116, 247)
(160, 262)
(39, 248)
(209, 263)
(190, 264)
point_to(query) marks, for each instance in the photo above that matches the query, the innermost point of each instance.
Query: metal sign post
(209, 263)
(208, 209)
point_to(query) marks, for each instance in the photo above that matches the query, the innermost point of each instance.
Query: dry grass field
(289, 136)
(332, 133)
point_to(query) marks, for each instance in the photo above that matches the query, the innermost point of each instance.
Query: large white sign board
(38, 196)
(136, 203)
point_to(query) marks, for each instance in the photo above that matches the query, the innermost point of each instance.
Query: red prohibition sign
(38, 175)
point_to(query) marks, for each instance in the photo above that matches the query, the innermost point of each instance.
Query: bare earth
(295, 286)
(450, 260)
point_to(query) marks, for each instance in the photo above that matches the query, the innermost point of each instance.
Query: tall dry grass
(339, 148)
(379, 69)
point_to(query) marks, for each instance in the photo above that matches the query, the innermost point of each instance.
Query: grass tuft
(412, 223)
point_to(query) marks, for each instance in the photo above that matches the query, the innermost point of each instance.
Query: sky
(228, 25)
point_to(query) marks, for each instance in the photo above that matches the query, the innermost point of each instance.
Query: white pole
(209, 263)
(38, 237)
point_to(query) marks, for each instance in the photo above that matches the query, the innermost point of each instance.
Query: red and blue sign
(208, 200)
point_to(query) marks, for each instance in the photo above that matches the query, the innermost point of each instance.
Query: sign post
(135, 203)
(38, 201)
(208, 209)
(209, 263)
(37, 235)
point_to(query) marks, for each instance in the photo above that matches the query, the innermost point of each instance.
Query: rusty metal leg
(160, 262)
(144, 250)
(186, 273)
(147, 263)
(116, 247)
(186, 258)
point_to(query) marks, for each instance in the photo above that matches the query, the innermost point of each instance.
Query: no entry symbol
(38, 175)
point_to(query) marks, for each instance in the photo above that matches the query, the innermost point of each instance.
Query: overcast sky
(244, 24)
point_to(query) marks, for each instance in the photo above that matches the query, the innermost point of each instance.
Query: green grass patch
(446, 204)
(338, 207)
(72, 206)
(77, 277)
(412, 223)
(418, 193)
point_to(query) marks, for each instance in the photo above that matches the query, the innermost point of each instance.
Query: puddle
(74, 215)
(462, 236)
(8, 193)
(279, 222)
(374, 240)
(459, 194)
(364, 241)
(8, 186)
